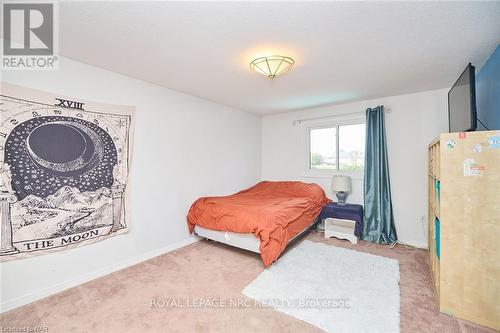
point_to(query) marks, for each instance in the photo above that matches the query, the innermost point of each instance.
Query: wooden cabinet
(464, 225)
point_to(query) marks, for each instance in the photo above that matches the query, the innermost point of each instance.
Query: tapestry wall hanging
(64, 166)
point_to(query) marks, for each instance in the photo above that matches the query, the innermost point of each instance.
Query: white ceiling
(344, 51)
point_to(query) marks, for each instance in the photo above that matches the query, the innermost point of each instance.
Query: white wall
(412, 121)
(184, 148)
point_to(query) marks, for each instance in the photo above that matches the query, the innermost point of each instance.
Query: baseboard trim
(414, 244)
(46, 292)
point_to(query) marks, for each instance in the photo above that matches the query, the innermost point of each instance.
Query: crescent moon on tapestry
(82, 140)
(56, 151)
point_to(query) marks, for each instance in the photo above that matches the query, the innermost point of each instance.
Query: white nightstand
(343, 229)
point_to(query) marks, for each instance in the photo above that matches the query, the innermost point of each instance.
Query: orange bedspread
(273, 211)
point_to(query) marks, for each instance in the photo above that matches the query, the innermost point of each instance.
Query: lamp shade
(341, 184)
(272, 66)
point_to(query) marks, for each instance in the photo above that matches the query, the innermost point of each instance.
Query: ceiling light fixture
(272, 66)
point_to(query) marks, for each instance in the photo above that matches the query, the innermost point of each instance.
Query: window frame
(328, 173)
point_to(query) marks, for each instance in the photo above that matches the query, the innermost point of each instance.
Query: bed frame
(243, 241)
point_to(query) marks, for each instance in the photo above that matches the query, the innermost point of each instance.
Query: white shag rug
(332, 288)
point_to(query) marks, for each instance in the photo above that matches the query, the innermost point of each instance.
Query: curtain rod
(300, 121)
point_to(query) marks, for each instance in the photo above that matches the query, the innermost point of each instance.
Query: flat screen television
(462, 112)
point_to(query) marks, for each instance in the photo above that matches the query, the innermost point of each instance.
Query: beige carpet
(121, 302)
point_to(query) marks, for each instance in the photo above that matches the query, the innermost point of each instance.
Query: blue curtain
(378, 220)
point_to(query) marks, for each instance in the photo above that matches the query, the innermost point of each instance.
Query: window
(337, 147)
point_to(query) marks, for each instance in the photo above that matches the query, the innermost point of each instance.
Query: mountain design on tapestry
(62, 213)
(70, 198)
(32, 202)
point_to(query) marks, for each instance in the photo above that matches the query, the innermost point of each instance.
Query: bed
(263, 218)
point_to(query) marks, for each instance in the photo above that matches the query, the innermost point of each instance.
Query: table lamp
(341, 185)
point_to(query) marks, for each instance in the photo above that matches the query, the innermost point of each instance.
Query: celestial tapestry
(64, 166)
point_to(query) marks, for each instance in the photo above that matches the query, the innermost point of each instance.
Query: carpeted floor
(207, 271)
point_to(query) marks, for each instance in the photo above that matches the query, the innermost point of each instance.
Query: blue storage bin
(436, 228)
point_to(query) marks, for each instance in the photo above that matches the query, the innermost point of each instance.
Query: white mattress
(243, 241)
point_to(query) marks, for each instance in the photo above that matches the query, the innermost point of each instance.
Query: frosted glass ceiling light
(272, 66)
